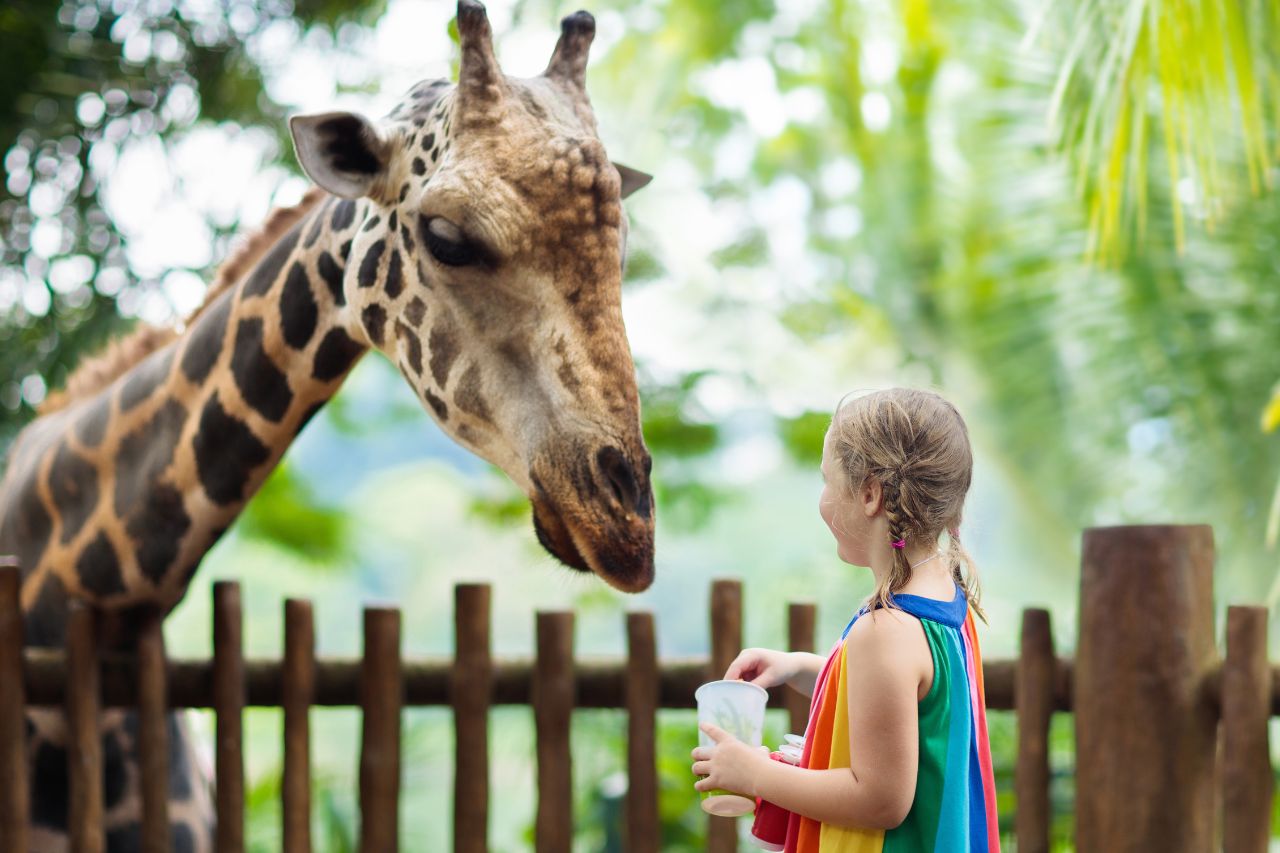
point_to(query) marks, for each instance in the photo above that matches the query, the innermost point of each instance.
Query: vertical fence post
(153, 734)
(84, 744)
(553, 698)
(726, 642)
(471, 692)
(643, 829)
(228, 706)
(1145, 725)
(14, 803)
(1246, 712)
(801, 619)
(298, 693)
(1033, 701)
(381, 698)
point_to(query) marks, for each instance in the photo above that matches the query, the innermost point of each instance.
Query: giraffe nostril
(621, 476)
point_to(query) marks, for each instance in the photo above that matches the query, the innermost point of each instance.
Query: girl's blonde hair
(916, 446)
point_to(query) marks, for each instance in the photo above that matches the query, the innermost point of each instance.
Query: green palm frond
(1197, 75)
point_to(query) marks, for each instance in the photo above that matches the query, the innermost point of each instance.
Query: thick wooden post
(84, 743)
(381, 698)
(553, 699)
(471, 691)
(153, 734)
(801, 619)
(14, 805)
(644, 833)
(1145, 723)
(299, 687)
(726, 642)
(228, 706)
(1246, 709)
(1033, 689)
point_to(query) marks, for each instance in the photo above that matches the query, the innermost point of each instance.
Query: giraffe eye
(448, 244)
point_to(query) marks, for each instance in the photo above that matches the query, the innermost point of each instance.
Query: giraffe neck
(116, 499)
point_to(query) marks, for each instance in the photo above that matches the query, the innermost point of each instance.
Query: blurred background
(1058, 214)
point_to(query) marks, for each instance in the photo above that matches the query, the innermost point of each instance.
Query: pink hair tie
(901, 543)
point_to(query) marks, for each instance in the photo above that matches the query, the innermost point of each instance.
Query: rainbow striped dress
(955, 801)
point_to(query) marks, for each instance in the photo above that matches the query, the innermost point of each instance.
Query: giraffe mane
(120, 354)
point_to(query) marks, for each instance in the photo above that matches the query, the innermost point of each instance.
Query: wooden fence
(1164, 730)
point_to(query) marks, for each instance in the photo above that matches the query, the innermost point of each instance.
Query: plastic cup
(738, 708)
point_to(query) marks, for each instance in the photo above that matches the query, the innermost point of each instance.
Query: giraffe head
(486, 263)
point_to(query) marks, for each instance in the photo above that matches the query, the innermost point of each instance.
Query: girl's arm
(807, 668)
(888, 664)
(887, 661)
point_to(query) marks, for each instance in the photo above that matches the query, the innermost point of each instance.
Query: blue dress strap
(950, 613)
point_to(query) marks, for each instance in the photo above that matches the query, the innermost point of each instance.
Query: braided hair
(916, 446)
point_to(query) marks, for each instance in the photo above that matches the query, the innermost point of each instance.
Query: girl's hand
(765, 667)
(730, 765)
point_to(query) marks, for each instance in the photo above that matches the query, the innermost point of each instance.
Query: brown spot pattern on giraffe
(367, 276)
(262, 384)
(204, 344)
(26, 528)
(335, 355)
(437, 405)
(344, 213)
(227, 453)
(395, 276)
(469, 397)
(415, 311)
(98, 568)
(73, 482)
(144, 454)
(444, 347)
(331, 274)
(298, 311)
(411, 346)
(374, 320)
(157, 530)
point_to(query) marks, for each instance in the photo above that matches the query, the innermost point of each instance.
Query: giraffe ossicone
(476, 237)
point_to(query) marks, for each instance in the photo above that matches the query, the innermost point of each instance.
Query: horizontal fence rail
(1239, 692)
(599, 682)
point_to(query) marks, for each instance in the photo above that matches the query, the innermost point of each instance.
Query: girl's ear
(871, 496)
(342, 152)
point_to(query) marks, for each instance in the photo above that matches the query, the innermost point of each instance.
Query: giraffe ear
(342, 152)
(632, 179)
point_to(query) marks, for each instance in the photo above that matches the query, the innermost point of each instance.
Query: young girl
(896, 756)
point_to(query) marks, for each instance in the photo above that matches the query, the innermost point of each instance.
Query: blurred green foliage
(803, 436)
(287, 512)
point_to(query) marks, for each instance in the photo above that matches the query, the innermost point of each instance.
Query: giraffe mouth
(621, 559)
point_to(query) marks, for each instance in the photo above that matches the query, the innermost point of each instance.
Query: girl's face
(848, 516)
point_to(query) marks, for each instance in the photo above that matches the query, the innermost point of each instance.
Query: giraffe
(476, 237)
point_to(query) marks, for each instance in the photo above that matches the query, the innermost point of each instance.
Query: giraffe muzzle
(599, 518)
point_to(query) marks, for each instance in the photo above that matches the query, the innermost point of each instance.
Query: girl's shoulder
(888, 633)
(888, 647)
